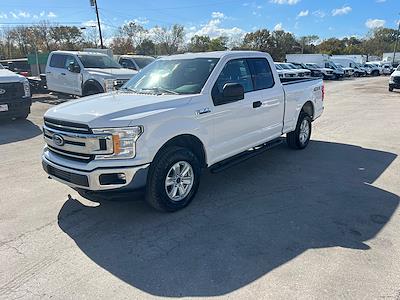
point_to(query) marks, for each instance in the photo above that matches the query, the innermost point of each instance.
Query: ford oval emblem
(2, 91)
(58, 140)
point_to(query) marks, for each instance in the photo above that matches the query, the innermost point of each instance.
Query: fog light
(113, 178)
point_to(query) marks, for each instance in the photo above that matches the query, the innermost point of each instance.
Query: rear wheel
(173, 179)
(300, 137)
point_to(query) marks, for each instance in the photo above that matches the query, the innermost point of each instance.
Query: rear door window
(261, 72)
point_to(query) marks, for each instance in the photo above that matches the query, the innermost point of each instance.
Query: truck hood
(115, 109)
(395, 73)
(112, 73)
(8, 76)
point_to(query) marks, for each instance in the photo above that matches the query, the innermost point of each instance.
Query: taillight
(323, 92)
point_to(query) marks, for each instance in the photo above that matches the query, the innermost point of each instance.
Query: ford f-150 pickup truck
(179, 115)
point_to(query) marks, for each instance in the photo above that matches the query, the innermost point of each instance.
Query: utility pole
(93, 3)
(395, 44)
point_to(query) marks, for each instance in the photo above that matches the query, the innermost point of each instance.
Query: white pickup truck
(84, 73)
(179, 115)
(15, 95)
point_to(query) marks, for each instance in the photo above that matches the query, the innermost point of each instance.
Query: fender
(92, 82)
(155, 137)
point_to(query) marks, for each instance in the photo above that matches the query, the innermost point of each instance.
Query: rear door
(54, 73)
(268, 101)
(243, 124)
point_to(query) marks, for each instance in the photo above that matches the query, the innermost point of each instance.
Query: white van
(84, 73)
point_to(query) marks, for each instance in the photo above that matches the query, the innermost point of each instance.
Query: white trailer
(319, 59)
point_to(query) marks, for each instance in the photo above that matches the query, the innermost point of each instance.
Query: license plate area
(3, 107)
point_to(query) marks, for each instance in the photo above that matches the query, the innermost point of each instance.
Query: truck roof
(79, 52)
(214, 54)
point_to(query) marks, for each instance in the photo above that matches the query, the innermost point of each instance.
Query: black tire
(156, 194)
(293, 138)
(91, 90)
(375, 73)
(390, 89)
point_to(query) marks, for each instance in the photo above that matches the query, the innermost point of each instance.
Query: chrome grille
(75, 142)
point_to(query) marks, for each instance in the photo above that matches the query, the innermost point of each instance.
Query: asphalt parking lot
(321, 223)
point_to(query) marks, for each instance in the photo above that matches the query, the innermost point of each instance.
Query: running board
(241, 157)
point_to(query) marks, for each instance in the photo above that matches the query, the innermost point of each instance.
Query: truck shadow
(244, 223)
(17, 130)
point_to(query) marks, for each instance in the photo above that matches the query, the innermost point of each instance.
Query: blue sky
(328, 18)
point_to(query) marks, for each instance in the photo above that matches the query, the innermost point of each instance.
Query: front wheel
(390, 89)
(300, 137)
(173, 179)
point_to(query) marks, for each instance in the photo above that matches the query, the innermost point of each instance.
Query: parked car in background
(15, 95)
(338, 72)
(84, 73)
(135, 62)
(349, 63)
(207, 110)
(348, 72)
(17, 65)
(300, 73)
(394, 81)
(387, 68)
(373, 69)
(326, 72)
(284, 73)
(315, 71)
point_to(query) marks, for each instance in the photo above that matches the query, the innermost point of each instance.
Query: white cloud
(3, 16)
(278, 26)
(24, 14)
(375, 23)
(217, 15)
(42, 14)
(51, 15)
(303, 13)
(319, 13)
(289, 2)
(14, 15)
(341, 11)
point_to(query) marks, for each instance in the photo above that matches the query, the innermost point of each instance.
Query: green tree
(146, 47)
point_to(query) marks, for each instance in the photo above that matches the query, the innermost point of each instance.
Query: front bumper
(16, 107)
(96, 180)
(394, 85)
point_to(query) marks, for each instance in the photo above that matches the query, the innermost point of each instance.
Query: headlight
(124, 141)
(108, 85)
(27, 89)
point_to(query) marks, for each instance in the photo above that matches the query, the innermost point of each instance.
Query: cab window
(262, 74)
(58, 61)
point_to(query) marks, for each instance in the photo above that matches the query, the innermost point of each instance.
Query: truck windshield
(175, 76)
(285, 66)
(143, 61)
(98, 62)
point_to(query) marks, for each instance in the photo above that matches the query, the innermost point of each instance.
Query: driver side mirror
(233, 92)
(74, 68)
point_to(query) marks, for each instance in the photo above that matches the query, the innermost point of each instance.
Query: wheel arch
(92, 83)
(309, 109)
(190, 142)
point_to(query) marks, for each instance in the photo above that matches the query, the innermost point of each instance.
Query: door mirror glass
(74, 68)
(233, 92)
